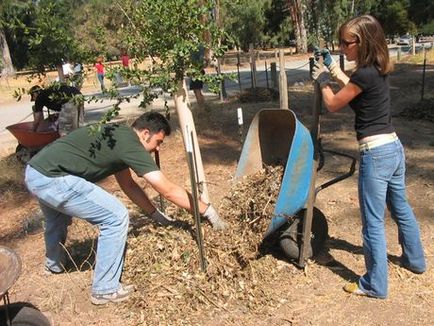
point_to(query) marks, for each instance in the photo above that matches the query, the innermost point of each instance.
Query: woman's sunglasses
(347, 43)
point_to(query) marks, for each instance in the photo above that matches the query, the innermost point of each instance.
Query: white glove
(213, 217)
(335, 71)
(320, 74)
(160, 218)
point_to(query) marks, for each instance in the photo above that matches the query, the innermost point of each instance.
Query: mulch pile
(258, 94)
(423, 110)
(164, 262)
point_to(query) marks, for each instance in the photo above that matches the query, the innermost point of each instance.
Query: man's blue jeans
(381, 181)
(66, 196)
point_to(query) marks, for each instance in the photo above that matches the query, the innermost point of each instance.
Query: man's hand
(161, 218)
(213, 217)
(320, 75)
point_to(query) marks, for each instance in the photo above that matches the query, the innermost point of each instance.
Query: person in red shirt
(99, 66)
(125, 59)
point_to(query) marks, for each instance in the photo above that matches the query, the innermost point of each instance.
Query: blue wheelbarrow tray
(277, 137)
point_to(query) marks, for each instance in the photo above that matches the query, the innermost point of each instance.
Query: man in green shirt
(62, 176)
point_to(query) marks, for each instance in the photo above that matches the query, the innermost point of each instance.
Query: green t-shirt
(95, 157)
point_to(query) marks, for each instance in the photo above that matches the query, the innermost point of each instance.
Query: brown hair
(372, 43)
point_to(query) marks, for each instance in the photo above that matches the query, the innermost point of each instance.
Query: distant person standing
(125, 59)
(100, 71)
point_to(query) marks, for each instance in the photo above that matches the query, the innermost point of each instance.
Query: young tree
(170, 32)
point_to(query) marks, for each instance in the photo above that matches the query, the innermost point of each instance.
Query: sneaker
(122, 294)
(48, 271)
(353, 288)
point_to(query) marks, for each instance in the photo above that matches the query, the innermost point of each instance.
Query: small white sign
(240, 116)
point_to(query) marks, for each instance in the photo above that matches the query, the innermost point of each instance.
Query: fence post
(273, 70)
(423, 74)
(311, 64)
(253, 65)
(238, 70)
(398, 54)
(283, 84)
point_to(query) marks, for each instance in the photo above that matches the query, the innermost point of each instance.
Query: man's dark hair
(153, 121)
(34, 89)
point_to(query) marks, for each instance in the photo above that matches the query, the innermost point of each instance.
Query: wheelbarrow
(29, 141)
(18, 313)
(277, 137)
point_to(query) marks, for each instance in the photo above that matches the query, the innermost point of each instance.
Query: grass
(418, 58)
(12, 186)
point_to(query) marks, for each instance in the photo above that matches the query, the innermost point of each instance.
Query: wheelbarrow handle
(341, 177)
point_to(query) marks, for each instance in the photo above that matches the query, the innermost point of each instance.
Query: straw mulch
(164, 262)
(423, 110)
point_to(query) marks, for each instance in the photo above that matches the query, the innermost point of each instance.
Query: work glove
(320, 75)
(317, 53)
(335, 71)
(161, 218)
(213, 217)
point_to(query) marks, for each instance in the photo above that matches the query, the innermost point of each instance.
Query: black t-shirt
(54, 97)
(372, 105)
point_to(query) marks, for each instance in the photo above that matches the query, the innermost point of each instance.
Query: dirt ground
(273, 291)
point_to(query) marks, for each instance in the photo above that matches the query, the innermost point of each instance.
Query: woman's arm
(335, 102)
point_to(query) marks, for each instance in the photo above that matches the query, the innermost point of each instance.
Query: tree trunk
(8, 67)
(296, 12)
(186, 120)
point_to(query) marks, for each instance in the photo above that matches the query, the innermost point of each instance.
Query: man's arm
(133, 191)
(172, 192)
(37, 119)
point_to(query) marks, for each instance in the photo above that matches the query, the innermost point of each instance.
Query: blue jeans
(101, 80)
(381, 181)
(69, 195)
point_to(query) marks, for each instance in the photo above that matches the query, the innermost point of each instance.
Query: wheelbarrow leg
(307, 221)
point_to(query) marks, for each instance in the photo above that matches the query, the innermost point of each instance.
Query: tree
(170, 32)
(245, 20)
(51, 40)
(6, 16)
(394, 18)
(296, 11)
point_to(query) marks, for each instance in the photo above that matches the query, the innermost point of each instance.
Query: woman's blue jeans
(61, 198)
(381, 181)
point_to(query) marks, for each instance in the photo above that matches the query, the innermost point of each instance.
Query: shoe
(403, 263)
(122, 294)
(353, 288)
(48, 271)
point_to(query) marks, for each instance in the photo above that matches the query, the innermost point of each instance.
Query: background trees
(39, 34)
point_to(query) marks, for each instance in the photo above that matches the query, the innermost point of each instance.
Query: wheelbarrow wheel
(23, 153)
(291, 238)
(22, 314)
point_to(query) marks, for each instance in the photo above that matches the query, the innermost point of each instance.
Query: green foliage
(245, 19)
(394, 17)
(50, 37)
(428, 29)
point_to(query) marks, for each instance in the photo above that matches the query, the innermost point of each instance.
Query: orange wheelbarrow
(29, 141)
